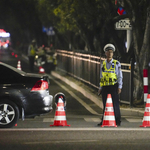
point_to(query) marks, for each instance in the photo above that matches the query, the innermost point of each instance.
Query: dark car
(22, 95)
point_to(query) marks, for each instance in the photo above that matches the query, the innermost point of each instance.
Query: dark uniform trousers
(31, 63)
(113, 90)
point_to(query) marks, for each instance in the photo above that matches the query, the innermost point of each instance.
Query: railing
(86, 68)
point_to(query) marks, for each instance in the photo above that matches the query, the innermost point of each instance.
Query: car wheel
(9, 114)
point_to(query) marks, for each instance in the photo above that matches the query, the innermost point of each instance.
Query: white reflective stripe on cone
(109, 118)
(146, 118)
(60, 118)
(147, 109)
(148, 100)
(109, 109)
(60, 100)
(109, 100)
(42, 69)
(60, 109)
(145, 80)
(145, 97)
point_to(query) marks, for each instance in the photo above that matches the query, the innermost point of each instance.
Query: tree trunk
(142, 61)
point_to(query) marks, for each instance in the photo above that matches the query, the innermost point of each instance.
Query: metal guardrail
(86, 68)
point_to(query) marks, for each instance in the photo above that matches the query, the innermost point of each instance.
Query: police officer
(31, 54)
(111, 81)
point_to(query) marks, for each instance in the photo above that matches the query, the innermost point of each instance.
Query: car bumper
(39, 104)
(48, 101)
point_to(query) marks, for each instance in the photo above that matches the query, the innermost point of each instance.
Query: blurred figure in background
(41, 56)
(31, 54)
(51, 60)
(54, 61)
(54, 56)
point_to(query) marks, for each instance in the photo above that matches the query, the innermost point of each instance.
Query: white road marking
(48, 120)
(134, 120)
(89, 119)
(75, 129)
(78, 99)
(92, 119)
(86, 119)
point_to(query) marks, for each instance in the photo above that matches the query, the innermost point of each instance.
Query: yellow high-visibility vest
(32, 51)
(109, 76)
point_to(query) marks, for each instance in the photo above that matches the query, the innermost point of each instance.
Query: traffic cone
(41, 69)
(60, 115)
(146, 118)
(109, 117)
(19, 65)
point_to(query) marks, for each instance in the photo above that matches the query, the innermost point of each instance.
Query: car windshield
(14, 69)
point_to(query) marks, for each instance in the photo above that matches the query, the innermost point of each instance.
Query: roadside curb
(97, 100)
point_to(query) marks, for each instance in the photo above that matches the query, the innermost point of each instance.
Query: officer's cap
(109, 47)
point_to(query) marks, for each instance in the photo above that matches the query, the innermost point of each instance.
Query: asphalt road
(70, 139)
(82, 115)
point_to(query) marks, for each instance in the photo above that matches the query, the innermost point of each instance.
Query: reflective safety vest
(49, 58)
(109, 76)
(54, 59)
(41, 52)
(32, 50)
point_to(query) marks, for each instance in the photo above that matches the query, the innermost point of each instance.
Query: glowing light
(3, 33)
(126, 44)
(6, 45)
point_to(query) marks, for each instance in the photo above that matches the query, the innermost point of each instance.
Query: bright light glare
(126, 44)
(5, 34)
(5, 46)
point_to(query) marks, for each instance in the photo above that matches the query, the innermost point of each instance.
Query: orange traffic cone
(146, 118)
(109, 117)
(41, 69)
(60, 115)
(19, 65)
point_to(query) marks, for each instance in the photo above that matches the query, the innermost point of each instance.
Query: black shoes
(100, 123)
(118, 124)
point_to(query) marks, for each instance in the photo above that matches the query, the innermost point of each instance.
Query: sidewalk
(92, 94)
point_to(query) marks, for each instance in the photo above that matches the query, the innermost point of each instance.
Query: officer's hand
(99, 91)
(119, 91)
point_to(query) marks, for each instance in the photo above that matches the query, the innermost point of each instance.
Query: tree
(20, 18)
(91, 22)
(83, 23)
(139, 14)
(94, 17)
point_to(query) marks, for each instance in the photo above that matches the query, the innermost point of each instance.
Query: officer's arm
(119, 75)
